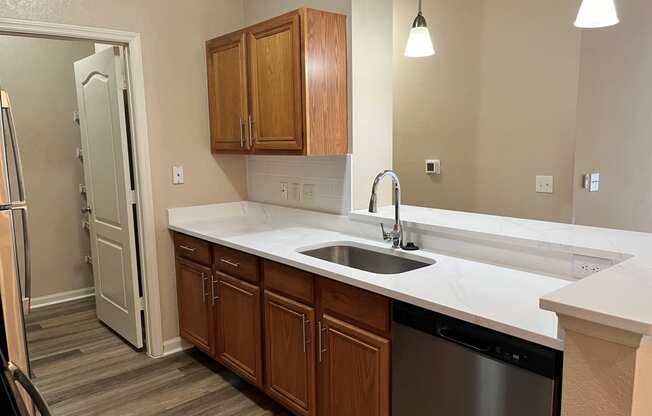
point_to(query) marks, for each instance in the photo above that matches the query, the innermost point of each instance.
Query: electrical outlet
(177, 175)
(584, 266)
(284, 191)
(544, 184)
(308, 192)
(295, 192)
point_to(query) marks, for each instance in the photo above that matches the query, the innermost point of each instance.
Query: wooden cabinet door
(354, 370)
(195, 323)
(290, 353)
(239, 344)
(274, 50)
(227, 93)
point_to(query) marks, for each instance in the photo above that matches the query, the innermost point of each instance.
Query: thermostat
(433, 167)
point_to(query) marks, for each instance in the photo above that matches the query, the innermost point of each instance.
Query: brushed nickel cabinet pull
(230, 263)
(189, 249)
(241, 132)
(251, 131)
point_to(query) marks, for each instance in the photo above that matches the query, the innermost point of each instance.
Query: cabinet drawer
(192, 248)
(366, 309)
(289, 281)
(236, 263)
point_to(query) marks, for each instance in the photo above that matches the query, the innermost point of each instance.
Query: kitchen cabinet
(239, 342)
(280, 86)
(355, 368)
(290, 354)
(313, 344)
(227, 93)
(195, 317)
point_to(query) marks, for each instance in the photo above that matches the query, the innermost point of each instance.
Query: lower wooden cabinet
(354, 370)
(317, 346)
(290, 353)
(239, 342)
(195, 317)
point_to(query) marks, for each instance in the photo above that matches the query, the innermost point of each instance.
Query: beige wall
(173, 35)
(496, 105)
(614, 122)
(40, 80)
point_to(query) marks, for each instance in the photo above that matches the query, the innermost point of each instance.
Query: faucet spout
(396, 235)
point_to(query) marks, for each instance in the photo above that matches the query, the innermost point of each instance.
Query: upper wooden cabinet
(227, 93)
(280, 87)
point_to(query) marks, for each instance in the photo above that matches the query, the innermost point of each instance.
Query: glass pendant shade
(597, 13)
(419, 43)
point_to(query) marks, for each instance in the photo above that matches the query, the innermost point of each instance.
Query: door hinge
(131, 197)
(89, 260)
(86, 225)
(82, 188)
(75, 117)
(80, 153)
(140, 303)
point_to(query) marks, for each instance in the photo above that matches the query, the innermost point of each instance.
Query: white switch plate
(544, 184)
(284, 191)
(177, 175)
(308, 192)
(433, 167)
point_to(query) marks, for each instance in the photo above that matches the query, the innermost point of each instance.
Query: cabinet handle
(321, 328)
(241, 132)
(251, 131)
(230, 263)
(306, 341)
(188, 249)
(203, 288)
(213, 283)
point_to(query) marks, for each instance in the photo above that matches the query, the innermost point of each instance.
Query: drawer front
(193, 249)
(288, 281)
(236, 263)
(366, 309)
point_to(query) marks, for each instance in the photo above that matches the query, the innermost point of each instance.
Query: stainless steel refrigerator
(15, 274)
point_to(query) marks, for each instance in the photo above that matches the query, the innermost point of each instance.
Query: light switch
(433, 167)
(177, 175)
(544, 184)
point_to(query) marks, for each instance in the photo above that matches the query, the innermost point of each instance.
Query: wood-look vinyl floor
(83, 368)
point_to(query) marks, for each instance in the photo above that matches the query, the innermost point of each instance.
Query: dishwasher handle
(453, 336)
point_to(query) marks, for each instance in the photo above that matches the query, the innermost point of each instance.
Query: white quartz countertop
(619, 296)
(499, 298)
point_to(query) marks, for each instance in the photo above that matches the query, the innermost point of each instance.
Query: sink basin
(367, 260)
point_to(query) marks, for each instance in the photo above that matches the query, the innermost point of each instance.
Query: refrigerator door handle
(6, 106)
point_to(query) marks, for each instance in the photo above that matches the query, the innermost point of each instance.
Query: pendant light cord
(420, 6)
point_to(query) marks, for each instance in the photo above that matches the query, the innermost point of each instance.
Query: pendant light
(597, 13)
(419, 43)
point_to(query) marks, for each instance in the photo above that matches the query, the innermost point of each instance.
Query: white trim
(147, 229)
(61, 297)
(175, 345)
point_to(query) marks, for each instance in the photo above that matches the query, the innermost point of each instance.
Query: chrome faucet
(396, 235)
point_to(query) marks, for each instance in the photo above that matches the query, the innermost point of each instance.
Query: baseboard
(62, 297)
(174, 345)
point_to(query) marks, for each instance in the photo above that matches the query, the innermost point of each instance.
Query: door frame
(145, 200)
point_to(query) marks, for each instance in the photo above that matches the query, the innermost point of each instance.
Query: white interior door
(105, 144)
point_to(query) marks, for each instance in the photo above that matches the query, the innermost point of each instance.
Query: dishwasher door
(432, 376)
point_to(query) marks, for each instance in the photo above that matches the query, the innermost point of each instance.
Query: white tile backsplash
(330, 176)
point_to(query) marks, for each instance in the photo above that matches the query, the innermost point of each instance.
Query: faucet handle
(386, 235)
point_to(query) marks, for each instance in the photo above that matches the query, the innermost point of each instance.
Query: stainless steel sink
(367, 260)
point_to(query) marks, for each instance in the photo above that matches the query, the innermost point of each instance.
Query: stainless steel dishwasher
(444, 366)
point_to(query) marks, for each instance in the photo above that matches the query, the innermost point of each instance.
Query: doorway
(70, 110)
